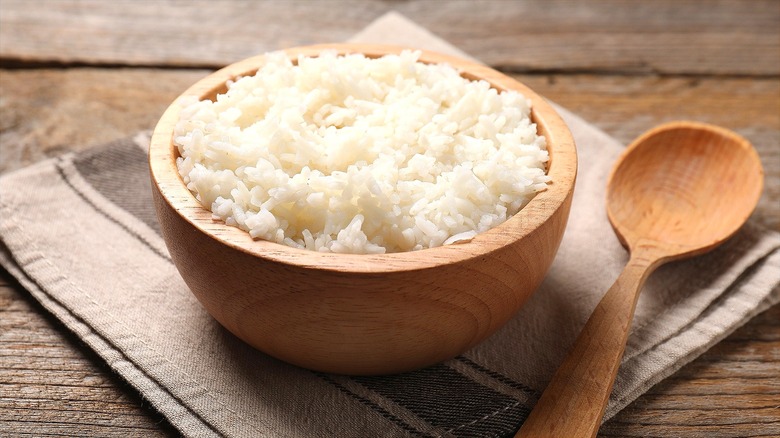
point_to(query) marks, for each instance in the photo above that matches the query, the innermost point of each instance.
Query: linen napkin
(79, 233)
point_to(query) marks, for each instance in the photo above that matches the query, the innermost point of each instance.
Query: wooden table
(78, 73)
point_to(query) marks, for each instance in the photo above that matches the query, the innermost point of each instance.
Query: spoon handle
(573, 403)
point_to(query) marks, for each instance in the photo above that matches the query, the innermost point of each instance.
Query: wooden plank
(713, 396)
(665, 36)
(53, 385)
(625, 106)
(47, 112)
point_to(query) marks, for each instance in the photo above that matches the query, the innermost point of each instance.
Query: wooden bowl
(363, 314)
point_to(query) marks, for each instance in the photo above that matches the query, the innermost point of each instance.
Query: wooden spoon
(677, 191)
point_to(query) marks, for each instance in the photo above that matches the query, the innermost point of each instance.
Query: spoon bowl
(677, 191)
(687, 186)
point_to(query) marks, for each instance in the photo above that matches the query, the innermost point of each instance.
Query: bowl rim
(562, 169)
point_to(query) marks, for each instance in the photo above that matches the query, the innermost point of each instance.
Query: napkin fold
(80, 234)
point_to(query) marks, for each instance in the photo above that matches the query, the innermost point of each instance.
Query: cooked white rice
(355, 155)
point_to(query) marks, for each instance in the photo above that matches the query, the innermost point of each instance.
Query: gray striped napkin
(79, 232)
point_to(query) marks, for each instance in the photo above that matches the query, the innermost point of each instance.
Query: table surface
(75, 74)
